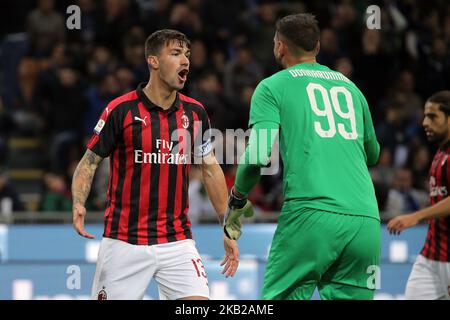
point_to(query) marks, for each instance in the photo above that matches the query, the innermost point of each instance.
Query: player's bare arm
(81, 186)
(214, 181)
(405, 221)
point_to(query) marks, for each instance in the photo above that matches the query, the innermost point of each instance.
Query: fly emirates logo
(166, 154)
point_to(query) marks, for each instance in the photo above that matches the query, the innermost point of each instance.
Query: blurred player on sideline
(328, 233)
(430, 275)
(146, 227)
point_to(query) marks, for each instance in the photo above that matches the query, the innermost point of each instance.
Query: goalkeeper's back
(327, 137)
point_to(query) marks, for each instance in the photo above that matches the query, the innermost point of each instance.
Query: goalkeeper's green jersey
(326, 131)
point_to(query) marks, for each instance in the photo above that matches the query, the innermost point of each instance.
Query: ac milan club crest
(102, 295)
(184, 121)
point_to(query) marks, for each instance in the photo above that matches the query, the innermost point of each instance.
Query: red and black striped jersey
(437, 243)
(150, 152)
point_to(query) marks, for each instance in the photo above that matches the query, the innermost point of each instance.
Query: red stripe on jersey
(161, 223)
(144, 197)
(182, 139)
(93, 141)
(112, 197)
(129, 167)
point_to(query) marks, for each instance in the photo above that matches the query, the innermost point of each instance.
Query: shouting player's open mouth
(182, 75)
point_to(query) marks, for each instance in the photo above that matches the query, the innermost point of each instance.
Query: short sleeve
(263, 106)
(106, 133)
(202, 139)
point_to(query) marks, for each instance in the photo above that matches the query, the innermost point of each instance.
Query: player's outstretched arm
(215, 185)
(402, 222)
(81, 185)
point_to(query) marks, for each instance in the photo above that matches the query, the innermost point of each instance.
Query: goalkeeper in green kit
(328, 233)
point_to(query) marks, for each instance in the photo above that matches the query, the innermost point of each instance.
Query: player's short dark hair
(300, 30)
(160, 38)
(442, 99)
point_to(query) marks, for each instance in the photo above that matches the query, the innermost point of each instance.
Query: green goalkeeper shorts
(336, 253)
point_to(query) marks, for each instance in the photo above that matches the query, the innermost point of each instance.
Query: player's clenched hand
(79, 212)
(231, 259)
(400, 223)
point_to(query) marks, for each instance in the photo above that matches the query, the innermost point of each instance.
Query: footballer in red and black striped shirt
(430, 277)
(151, 136)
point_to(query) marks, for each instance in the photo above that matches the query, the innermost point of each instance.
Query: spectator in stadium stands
(88, 28)
(383, 172)
(436, 68)
(402, 197)
(419, 162)
(45, 27)
(133, 53)
(126, 80)
(199, 61)
(344, 22)
(114, 20)
(241, 71)
(64, 108)
(209, 90)
(98, 96)
(329, 50)
(371, 69)
(156, 15)
(6, 126)
(100, 63)
(391, 133)
(9, 199)
(183, 18)
(260, 21)
(56, 196)
(404, 89)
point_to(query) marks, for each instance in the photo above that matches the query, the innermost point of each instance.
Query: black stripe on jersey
(154, 176)
(135, 181)
(119, 189)
(172, 184)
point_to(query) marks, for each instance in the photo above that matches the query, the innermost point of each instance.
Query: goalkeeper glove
(236, 207)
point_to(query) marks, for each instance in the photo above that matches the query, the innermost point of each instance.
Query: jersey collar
(150, 105)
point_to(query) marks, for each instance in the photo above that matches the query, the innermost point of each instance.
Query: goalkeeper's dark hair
(301, 32)
(160, 38)
(442, 99)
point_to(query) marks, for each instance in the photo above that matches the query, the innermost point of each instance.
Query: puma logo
(143, 120)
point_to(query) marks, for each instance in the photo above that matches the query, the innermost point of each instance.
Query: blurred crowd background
(55, 82)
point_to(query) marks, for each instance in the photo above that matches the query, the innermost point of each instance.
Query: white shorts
(124, 270)
(429, 280)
